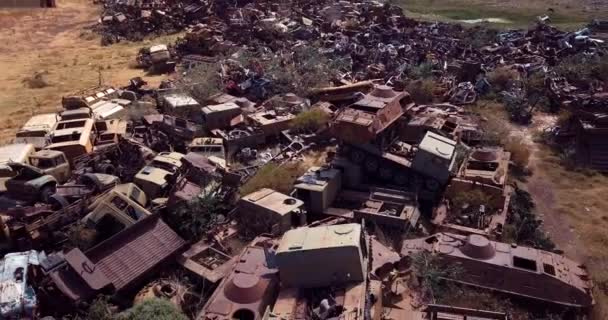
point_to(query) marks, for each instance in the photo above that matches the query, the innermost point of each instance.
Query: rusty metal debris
(371, 164)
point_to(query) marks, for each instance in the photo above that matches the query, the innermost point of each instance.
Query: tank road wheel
(401, 178)
(357, 156)
(386, 173)
(371, 165)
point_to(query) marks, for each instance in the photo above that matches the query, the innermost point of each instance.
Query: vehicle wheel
(46, 192)
(107, 168)
(357, 156)
(371, 165)
(386, 173)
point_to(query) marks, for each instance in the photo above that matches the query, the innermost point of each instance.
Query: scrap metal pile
(315, 205)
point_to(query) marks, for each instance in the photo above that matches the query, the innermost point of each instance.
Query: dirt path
(543, 192)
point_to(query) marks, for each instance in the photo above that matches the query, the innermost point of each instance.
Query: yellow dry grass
(56, 41)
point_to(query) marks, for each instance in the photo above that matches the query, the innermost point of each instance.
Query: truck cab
(30, 183)
(120, 208)
(36, 129)
(53, 163)
(155, 178)
(435, 157)
(208, 147)
(16, 153)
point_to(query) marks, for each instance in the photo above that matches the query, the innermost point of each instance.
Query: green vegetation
(432, 272)
(157, 309)
(522, 14)
(421, 90)
(473, 198)
(501, 78)
(520, 151)
(279, 178)
(195, 218)
(100, 310)
(523, 227)
(579, 69)
(310, 121)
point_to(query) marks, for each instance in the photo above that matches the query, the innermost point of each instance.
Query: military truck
(16, 152)
(208, 147)
(369, 134)
(156, 178)
(36, 129)
(120, 208)
(53, 163)
(30, 183)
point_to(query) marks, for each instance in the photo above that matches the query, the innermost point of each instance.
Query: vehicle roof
(106, 108)
(177, 100)
(323, 237)
(273, 200)
(438, 145)
(46, 153)
(12, 293)
(206, 141)
(220, 107)
(152, 174)
(172, 158)
(17, 152)
(44, 121)
(158, 47)
(75, 111)
(316, 178)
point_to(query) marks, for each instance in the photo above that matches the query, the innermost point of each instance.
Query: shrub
(422, 91)
(431, 272)
(201, 82)
(195, 218)
(279, 178)
(100, 310)
(37, 81)
(157, 309)
(310, 121)
(501, 78)
(473, 198)
(520, 152)
(421, 71)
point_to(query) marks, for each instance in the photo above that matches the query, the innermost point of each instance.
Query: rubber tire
(46, 192)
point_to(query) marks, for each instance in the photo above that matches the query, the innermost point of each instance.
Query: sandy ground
(56, 42)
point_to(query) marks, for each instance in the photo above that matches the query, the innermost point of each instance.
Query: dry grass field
(55, 43)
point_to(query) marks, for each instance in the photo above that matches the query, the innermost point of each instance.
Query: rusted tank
(508, 268)
(369, 131)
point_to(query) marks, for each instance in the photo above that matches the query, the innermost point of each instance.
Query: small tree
(278, 178)
(157, 309)
(501, 78)
(422, 90)
(431, 272)
(100, 310)
(201, 82)
(195, 218)
(310, 121)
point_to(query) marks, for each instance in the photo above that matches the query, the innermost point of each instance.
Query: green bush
(153, 309)
(279, 178)
(421, 91)
(520, 152)
(501, 78)
(310, 121)
(195, 218)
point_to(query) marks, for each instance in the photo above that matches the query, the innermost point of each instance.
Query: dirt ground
(572, 204)
(56, 43)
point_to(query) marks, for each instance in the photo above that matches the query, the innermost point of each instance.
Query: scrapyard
(302, 160)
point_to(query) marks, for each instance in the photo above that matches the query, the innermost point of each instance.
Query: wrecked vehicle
(36, 129)
(30, 183)
(73, 137)
(17, 153)
(367, 130)
(120, 208)
(208, 147)
(511, 269)
(53, 163)
(155, 178)
(18, 298)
